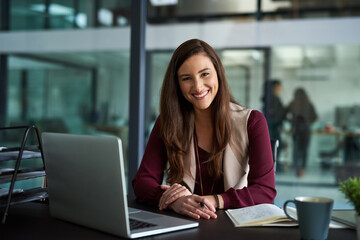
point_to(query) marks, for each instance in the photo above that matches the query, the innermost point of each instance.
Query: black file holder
(16, 174)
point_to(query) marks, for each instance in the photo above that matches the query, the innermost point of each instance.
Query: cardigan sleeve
(261, 178)
(149, 176)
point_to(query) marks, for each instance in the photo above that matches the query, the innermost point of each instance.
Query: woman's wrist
(219, 201)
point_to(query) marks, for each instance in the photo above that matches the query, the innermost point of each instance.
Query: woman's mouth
(201, 95)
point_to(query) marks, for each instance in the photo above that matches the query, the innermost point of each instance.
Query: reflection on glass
(63, 14)
(71, 14)
(245, 10)
(309, 9)
(74, 14)
(113, 13)
(26, 15)
(188, 10)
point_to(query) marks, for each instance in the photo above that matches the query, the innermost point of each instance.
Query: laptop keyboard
(136, 224)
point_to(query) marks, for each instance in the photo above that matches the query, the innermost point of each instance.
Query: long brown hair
(177, 114)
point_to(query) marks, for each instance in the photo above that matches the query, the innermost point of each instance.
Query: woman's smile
(198, 81)
(201, 95)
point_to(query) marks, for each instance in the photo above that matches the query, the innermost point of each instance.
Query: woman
(302, 115)
(215, 153)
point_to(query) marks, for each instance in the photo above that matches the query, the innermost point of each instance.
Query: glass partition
(71, 14)
(55, 96)
(309, 9)
(80, 93)
(80, 14)
(200, 10)
(246, 10)
(244, 72)
(317, 150)
(26, 15)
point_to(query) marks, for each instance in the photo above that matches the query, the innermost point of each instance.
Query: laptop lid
(86, 185)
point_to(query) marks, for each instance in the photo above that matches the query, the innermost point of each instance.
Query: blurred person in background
(302, 114)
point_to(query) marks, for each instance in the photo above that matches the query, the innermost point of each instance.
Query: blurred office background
(65, 67)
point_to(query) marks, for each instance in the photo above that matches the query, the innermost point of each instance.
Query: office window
(71, 14)
(200, 10)
(80, 93)
(245, 10)
(244, 72)
(309, 9)
(66, 15)
(318, 150)
(54, 96)
(114, 13)
(26, 15)
(156, 68)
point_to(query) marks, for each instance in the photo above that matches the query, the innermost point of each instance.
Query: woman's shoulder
(238, 111)
(246, 115)
(256, 115)
(236, 107)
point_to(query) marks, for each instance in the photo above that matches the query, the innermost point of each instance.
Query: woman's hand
(194, 206)
(171, 194)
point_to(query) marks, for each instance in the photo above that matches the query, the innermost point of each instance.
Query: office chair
(274, 147)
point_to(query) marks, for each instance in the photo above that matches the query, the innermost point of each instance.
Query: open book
(261, 215)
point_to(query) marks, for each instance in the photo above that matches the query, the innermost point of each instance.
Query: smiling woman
(206, 143)
(198, 81)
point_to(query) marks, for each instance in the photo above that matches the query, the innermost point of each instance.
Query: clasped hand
(182, 201)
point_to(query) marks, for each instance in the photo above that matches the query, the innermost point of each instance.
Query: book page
(257, 215)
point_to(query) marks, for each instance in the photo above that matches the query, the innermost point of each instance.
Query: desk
(33, 221)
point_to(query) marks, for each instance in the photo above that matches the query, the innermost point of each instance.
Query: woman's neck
(204, 129)
(203, 118)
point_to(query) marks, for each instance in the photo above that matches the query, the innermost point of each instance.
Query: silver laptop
(86, 185)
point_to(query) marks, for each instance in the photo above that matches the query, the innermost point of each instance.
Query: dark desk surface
(33, 221)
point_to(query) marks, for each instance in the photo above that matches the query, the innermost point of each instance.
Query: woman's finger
(196, 210)
(164, 187)
(193, 204)
(203, 207)
(191, 214)
(172, 196)
(168, 190)
(208, 204)
(173, 193)
(180, 193)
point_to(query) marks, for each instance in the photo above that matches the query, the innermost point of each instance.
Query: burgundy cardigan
(260, 180)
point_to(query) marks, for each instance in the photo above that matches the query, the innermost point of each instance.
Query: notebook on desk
(345, 216)
(86, 186)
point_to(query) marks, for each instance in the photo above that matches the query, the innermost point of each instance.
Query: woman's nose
(198, 84)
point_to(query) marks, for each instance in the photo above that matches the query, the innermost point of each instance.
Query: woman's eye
(205, 74)
(185, 78)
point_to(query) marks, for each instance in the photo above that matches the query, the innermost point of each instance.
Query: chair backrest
(274, 147)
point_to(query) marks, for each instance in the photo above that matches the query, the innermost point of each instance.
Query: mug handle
(284, 208)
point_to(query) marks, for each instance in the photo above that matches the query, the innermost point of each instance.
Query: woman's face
(198, 81)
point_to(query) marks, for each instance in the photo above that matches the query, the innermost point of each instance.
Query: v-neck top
(210, 184)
